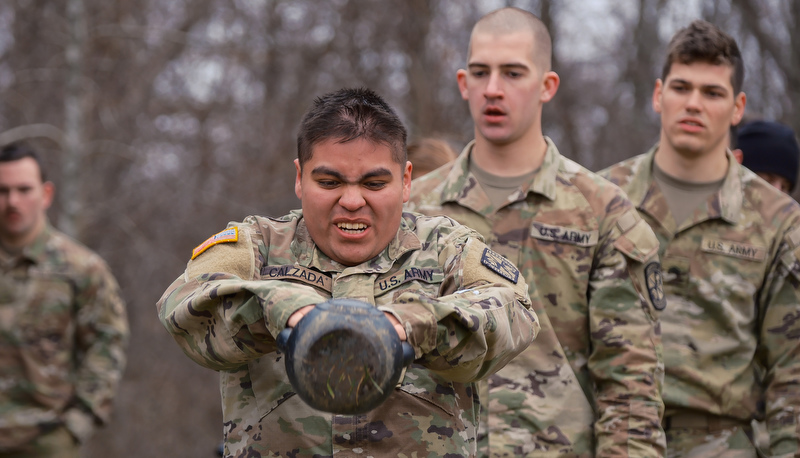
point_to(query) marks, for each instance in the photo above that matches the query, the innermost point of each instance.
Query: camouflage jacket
(63, 331)
(463, 319)
(731, 277)
(591, 382)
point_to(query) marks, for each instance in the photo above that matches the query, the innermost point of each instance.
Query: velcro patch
(299, 273)
(228, 235)
(735, 249)
(560, 234)
(655, 285)
(499, 265)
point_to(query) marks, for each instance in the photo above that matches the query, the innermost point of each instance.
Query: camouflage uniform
(591, 382)
(464, 321)
(63, 331)
(732, 322)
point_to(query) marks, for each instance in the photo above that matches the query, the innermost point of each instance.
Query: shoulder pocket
(638, 241)
(234, 256)
(483, 265)
(790, 261)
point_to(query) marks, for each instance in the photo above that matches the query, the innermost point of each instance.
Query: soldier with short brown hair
(730, 250)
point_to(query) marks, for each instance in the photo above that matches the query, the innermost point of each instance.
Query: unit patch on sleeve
(655, 285)
(228, 235)
(499, 265)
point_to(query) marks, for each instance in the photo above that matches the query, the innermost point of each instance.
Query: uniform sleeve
(101, 338)
(480, 321)
(779, 350)
(626, 362)
(219, 315)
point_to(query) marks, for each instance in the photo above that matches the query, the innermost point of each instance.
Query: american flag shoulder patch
(226, 236)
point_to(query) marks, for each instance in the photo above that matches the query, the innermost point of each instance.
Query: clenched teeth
(352, 226)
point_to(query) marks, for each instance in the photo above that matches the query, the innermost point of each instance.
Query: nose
(693, 102)
(351, 198)
(494, 87)
(12, 197)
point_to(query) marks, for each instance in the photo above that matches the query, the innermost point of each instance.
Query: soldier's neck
(509, 160)
(689, 166)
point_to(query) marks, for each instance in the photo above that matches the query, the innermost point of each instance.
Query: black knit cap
(770, 147)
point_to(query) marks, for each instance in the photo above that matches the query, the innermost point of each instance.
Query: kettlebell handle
(283, 341)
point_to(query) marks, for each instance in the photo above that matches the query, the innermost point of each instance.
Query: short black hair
(20, 150)
(702, 41)
(348, 114)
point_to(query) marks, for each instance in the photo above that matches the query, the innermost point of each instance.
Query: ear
(550, 83)
(738, 155)
(461, 77)
(48, 191)
(657, 95)
(739, 103)
(407, 182)
(298, 187)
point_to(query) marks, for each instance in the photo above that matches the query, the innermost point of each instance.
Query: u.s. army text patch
(560, 234)
(500, 265)
(734, 249)
(228, 235)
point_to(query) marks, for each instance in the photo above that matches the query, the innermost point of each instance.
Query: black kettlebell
(344, 357)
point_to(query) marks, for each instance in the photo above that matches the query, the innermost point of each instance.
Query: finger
(298, 315)
(400, 331)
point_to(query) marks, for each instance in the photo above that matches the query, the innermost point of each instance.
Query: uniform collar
(725, 204)
(309, 255)
(461, 185)
(36, 252)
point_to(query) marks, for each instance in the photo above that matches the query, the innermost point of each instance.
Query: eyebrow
(503, 66)
(323, 170)
(704, 86)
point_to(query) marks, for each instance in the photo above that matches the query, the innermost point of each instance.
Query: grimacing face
(352, 197)
(24, 201)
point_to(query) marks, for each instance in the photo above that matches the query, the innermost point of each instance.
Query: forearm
(781, 347)
(102, 335)
(627, 369)
(226, 322)
(467, 335)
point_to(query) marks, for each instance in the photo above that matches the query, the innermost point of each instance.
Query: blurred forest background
(163, 120)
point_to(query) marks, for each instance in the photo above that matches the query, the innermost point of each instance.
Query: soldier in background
(729, 246)
(63, 326)
(427, 155)
(590, 385)
(463, 308)
(770, 150)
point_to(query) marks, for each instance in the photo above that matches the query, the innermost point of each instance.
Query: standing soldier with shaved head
(730, 245)
(590, 385)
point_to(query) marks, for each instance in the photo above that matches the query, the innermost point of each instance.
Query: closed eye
(328, 184)
(375, 185)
